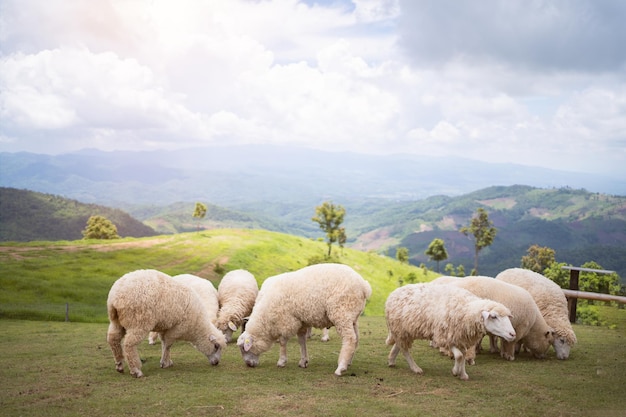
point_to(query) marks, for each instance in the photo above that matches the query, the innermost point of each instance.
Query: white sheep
(236, 294)
(530, 327)
(205, 290)
(551, 302)
(318, 296)
(452, 317)
(149, 300)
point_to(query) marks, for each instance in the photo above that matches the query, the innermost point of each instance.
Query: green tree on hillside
(199, 212)
(99, 227)
(329, 217)
(538, 258)
(437, 251)
(601, 283)
(482, 231)
(556, 273)
(402, 255)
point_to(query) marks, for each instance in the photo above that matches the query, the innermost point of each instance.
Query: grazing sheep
(452, 317)
(236, 295)
(551, 302)
(146, 300)
(318, 296)
(205, 290)
(530, 327)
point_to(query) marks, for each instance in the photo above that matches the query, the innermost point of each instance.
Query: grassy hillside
(28, 215)
(581, 227)
(39, 278)
(177, 218)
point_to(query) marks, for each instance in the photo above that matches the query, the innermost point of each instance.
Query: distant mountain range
(232, 176)
(391, 201)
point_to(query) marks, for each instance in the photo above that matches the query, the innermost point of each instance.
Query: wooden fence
(573, 294)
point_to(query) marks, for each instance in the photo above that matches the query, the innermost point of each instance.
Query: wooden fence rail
(573, 294)
(594, 296)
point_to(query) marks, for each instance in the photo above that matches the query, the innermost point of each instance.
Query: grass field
(53, 368)
(67, 369)
(39, 278)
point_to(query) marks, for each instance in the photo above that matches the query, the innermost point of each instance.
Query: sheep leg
(493, 344)
(349, 342)
(114, 338)
(459, 364)
(508, 350)
(304, 356)
(393, 354)
(166, 346)
(325, 336)
(470, 355)
(152, 338)
(131, 341)
(282, 359)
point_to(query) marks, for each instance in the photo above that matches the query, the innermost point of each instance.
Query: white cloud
(493, 80)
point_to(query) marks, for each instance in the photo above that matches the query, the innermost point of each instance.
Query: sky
(534, 82)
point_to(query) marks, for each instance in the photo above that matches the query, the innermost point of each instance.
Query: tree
(199, 212)
(99, 227)
(402, 255)
(556, 273)
(483, 232)
(329, 217)
(601, 283)
(342, 238)
(538, 258)
(437, 251)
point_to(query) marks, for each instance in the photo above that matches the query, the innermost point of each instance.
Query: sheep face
(212, 348)
(562, 348)
(498, 325)
(228, 329)
(251, 349)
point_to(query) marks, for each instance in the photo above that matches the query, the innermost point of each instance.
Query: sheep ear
(212, 338)
(485, 314)
(232, 326)
(247, 343)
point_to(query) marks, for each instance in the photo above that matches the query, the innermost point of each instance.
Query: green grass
(38, 279)
(66, 369)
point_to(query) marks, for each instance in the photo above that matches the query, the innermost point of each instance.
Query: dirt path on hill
(15, 251)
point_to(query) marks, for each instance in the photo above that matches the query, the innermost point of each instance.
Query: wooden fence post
(573, 301)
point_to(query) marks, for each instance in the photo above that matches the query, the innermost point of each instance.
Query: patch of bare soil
(15, 251)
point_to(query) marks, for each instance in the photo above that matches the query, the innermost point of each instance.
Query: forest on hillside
(27, 215)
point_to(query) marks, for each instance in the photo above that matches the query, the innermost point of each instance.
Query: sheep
(146, 300)
(452, 317)
(551, 302)
(530, 327)
(205, 290)
(318, 296)
(236, 294)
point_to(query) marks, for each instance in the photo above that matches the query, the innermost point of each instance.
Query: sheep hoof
(464, 377)
(303, 363)
(281, 364)
(119, 368)
(167, 364)
(339, 371)
(137, 374)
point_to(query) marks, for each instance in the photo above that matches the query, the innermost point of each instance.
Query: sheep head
(499, 324)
